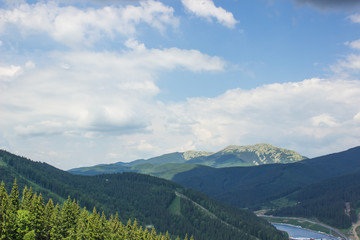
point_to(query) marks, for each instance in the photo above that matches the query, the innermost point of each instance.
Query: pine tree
(26, 199)
(81, 225)
(37, 211)
(8, 213)
(3, 211)
(48, 213)
(68, 217)
(93, 225)
(153, 235)
(104, 227)
(56, 231)
(11, 212)
(14, 197)
(23, 223)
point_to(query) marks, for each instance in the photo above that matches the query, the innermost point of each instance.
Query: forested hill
(324, 183)
(333, 201)
(30, 218)
(152, 201)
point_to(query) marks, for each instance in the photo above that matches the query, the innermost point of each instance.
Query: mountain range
(168, 165)
(265, 177)
(152, 201)
(325, 188)
(323, 183)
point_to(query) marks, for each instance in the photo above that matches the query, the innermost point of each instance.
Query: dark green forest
(30, 219)
(255, 187)
(150, 200)
(326, 201)
(320, 187)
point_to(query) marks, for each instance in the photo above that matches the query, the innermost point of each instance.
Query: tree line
(29, 218)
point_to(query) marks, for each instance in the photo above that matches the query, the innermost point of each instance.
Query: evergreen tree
(69, 214)
(14, 197)
(49, 211)
(26, 198)
(23, 223)
(3, 212)
(81, 225)
(55, 221)
(38, 212)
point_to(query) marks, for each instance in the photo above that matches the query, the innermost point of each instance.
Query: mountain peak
(188, 155)
(262, 153)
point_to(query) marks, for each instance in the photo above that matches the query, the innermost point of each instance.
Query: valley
(322, 193)
(318, 188)
(144, 198)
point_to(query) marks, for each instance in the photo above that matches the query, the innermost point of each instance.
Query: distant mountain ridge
(258, 154)
(317, 187)
(231, 156)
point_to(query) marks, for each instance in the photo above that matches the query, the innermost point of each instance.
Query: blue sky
(90, 82)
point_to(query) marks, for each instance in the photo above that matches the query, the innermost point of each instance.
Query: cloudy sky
(101, 81)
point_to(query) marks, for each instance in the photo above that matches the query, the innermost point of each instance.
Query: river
(297, 232)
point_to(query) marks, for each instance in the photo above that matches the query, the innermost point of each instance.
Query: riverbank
(307, 224)
(297, 232)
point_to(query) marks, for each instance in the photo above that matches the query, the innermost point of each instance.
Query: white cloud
(348, 66)
(324, 120)
(171, 58)
(208, 10)
(86, 107)
(300, 115)
(8, 72)
(354, 44)
(77, 27)
(355, 18)
(99, 92)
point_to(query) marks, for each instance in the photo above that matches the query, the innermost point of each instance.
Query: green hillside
(29, 217)
(232, 156)
(150, 200)
(269, 186)
(333, 201)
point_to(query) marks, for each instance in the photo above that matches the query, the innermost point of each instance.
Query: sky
(102, 81)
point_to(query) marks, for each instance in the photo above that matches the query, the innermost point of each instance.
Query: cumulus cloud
(348, 66)
(75, 27)
(208, 10)
(331, 4)
(110, 92)
(8, 72)
(355, 18)
(354, 44)
(303, 115)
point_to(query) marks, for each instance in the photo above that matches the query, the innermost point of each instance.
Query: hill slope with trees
(150, 200)
(317, 185)
(30, 218)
